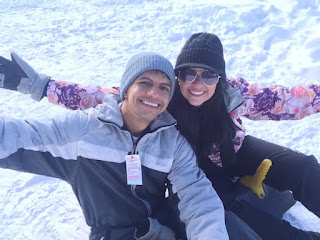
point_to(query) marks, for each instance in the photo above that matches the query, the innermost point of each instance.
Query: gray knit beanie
(141, 63)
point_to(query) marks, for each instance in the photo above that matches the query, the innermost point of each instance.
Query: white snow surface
(89, 42)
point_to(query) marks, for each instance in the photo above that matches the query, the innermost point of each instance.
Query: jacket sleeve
(47, 148)
(75, 96)
(276, 102)
(200, 207)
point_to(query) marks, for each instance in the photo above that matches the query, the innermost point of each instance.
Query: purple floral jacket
(271, 103)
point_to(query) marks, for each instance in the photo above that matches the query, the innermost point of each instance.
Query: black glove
(17, 75)
(10, 74)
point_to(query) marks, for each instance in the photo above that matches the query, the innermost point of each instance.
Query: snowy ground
(89, 42)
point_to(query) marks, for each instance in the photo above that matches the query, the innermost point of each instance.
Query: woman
(212, 106)
(208, 108)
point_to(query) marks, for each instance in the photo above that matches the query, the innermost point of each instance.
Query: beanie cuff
(200, 57)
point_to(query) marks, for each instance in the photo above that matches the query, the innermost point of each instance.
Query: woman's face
(197, 92)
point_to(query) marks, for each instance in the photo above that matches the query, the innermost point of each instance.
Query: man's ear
(125, 96)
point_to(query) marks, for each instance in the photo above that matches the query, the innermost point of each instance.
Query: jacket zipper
(133, 189)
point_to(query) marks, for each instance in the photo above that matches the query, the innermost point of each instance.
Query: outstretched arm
(276, 102)
(75, 96)
(46, 147)
(18, 75)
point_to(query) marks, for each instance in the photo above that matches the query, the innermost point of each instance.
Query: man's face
(147, 97)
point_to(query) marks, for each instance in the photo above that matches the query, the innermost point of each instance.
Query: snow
(89, 42)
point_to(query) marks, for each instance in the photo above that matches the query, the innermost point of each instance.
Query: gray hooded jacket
(87, 149)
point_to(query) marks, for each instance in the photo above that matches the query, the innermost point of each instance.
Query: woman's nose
(198, 79)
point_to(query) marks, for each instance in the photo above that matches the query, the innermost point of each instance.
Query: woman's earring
(177, 79)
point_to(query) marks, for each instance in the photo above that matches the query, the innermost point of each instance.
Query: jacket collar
(232, 98)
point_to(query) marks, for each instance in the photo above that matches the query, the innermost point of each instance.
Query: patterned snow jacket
(242, 100)
(87, 149)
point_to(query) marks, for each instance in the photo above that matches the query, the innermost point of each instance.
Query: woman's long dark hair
(205, 125)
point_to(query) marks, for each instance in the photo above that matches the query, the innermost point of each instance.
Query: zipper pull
(133, 149)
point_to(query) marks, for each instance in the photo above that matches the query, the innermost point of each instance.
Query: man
(114, 158)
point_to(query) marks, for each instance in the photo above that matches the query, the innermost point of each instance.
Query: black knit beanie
(202, 50)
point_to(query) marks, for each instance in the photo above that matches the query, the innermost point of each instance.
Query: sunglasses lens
(210, 78)
(187, 75)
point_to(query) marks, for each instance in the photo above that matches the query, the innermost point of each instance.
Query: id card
(134, 172)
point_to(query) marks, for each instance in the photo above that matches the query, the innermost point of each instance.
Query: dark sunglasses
(208, 77)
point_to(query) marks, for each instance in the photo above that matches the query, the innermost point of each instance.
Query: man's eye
(165, 89)
(145, 83)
